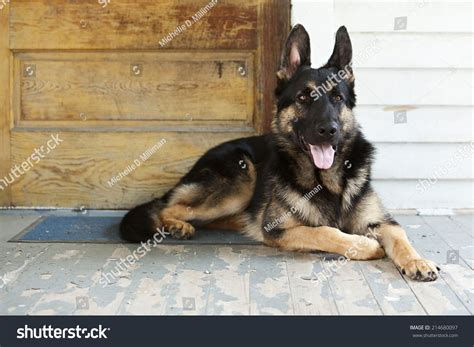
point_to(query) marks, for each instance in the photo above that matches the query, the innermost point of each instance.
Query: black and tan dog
(303, 187)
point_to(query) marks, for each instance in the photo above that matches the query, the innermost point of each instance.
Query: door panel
(135, 86)
(128, 24)
(105, 169)
(132, 114)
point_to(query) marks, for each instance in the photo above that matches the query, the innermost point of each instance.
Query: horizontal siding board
(414, 86)
(422, 15)
(401, 194)
(424, 124)
(402, 50)
(423, 160)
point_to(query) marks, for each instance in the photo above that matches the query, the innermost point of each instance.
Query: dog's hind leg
(200, 204)
(219, 186)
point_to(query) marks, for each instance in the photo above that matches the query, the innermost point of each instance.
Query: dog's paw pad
(181, 230)
(420, 270)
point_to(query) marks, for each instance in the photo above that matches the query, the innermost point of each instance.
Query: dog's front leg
(395, 242)
(302, 238)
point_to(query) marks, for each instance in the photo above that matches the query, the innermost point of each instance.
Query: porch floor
(58, 278)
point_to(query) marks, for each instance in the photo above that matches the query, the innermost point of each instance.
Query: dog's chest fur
(328, 197)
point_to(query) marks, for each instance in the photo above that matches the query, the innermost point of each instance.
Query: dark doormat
(99, 229)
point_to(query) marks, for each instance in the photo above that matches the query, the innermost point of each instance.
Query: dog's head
(314, 110)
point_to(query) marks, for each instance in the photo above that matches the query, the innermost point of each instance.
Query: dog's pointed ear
(341, 57)
(296, 53)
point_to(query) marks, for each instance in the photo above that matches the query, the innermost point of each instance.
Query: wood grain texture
(350, 289)
(270, 292)
(311, 295)
(104, 86)
(274, 31)
(439, 297)
(5, 193)
(229, 293)
(77, 172)
(213, 82)
(390, 289)
(130, 24)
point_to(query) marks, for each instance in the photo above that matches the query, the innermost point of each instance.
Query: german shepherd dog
(306, 186)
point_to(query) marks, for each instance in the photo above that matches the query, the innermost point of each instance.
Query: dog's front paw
(420, 270)
(180, 230)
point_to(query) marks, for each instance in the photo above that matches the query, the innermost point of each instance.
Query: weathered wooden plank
(69, 280)
(269, 286)
(229, 293)
(457, 275)
(71, 178)
(436, 297)
(130, 24)
(87, 86)
(350, 289)
(461, 280)
(32, 290)
(151, 281)
(16, 262)
(391, 291)
(65, 285)
(5, 121)
(461, 243)
(274, 30)
(189, 290)
(465, 222)
(311, 295)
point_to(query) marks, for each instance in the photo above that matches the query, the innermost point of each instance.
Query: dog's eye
(338, 98)
(302, 97)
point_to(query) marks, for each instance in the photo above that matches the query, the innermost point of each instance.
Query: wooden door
(118, 98)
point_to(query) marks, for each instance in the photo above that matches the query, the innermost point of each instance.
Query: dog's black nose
(328, 131)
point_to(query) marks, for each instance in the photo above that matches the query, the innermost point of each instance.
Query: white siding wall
(425, 70)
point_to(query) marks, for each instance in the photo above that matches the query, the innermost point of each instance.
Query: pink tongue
(323, 155)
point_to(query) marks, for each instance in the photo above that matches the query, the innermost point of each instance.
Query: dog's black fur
(310, 177)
